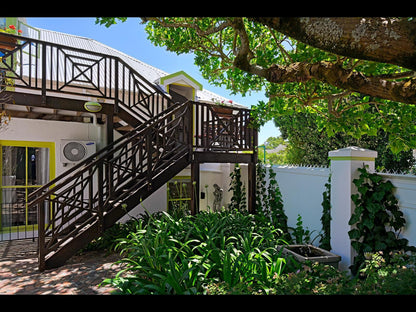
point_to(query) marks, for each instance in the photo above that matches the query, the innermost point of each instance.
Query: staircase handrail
(103, 153)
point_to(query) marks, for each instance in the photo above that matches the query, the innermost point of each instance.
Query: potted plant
(222, 109)
(306, 252)
(6, 42)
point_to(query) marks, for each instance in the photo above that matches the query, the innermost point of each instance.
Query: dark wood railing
(222, 128)
(50, 68)
(98, 191)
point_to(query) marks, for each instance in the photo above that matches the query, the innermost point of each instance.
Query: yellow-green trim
(163, 79)
(52, 162)
(352, 158)
(167, 190)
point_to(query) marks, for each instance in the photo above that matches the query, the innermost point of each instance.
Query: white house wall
(210, 173)
(21, 129)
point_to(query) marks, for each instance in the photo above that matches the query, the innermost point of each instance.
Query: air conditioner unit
(74, 151)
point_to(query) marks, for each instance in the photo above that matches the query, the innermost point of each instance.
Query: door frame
(52, 167)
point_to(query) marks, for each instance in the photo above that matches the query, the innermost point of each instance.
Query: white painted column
(344, 165)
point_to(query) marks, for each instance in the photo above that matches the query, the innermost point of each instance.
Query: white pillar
(344, 165)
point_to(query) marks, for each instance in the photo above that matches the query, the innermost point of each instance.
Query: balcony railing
(53, 68)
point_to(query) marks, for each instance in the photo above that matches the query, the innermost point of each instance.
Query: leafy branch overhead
(356, 75)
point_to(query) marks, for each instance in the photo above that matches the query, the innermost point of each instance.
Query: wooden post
(41, 236)
(195, 187)
(100, 207)
(110, 128)
(116, 95)
(43, 91)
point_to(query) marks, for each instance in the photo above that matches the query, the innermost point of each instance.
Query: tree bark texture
(403, 91)
(374, 39)
(385, 40)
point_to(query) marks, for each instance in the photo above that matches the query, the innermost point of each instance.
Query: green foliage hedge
(233, 252)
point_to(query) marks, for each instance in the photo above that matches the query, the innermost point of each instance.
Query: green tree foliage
(339, 90)
(310, 145)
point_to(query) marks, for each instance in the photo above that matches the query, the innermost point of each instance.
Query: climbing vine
(269, 201)
(238, 200)
(274, 204)
(325, 241)
(377, 220)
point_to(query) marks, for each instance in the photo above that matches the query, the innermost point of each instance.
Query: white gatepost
(344, 165)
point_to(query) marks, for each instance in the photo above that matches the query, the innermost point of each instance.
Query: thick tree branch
(385, 40)
(400, 91)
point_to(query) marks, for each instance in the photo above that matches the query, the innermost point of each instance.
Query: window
(24, 167)
(179, 194)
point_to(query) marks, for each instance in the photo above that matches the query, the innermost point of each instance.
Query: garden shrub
(233, 253)
(269, 201)
(190, 254)
(377, 219)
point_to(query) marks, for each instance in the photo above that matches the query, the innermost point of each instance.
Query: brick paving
(81, 275)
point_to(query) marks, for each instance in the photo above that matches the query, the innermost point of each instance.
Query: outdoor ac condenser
(74, 151)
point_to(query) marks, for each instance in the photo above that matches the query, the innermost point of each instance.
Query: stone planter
(311, 253)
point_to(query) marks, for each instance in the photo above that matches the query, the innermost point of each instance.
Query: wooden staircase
(79, 205)
(161, 137)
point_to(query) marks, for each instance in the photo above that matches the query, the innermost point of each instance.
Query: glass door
(24, 167)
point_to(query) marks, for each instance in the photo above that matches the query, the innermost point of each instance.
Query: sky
(129, 37)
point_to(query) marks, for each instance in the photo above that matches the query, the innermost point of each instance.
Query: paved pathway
(81, 275)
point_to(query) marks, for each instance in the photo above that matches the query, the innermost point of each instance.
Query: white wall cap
(353, 151)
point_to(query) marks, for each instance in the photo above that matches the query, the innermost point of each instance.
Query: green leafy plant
(274, 203)
(377, 220)
(261, 189)
(325, 241)
(315, 278)
(269, 201)
(378, 276)
(300, 234)
(233, 253)
(192, 254)
(238, 200)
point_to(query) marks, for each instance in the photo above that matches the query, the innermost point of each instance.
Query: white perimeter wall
(405, 193)
(302, 189)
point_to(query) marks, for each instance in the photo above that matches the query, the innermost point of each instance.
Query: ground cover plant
(232, 252)
(190, 255)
